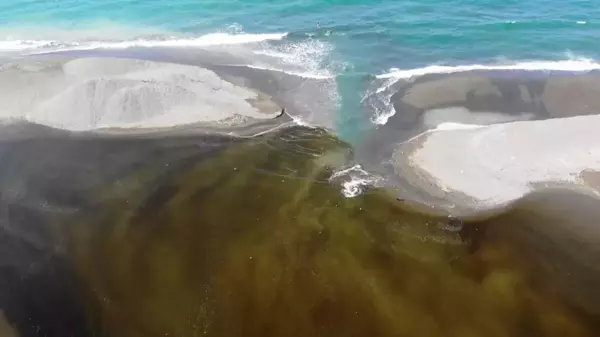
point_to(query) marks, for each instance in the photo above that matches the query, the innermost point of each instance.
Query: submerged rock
(220, 236)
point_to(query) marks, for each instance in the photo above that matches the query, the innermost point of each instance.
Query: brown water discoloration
(220, 237)
(252, 252)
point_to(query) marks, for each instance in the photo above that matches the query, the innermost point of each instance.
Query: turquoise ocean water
(349, 40)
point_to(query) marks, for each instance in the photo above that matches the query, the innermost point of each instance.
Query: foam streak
(576, 65)
(215, 39)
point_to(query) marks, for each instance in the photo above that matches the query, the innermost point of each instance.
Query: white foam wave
(298, 121)
(308, 57)
(574, 65)
(355, 180)
(215, 39)
(385, 109)
(316, 101)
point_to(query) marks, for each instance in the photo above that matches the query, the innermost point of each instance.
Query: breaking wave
(575, 65)
(112, 36)
(355, 180)
(216, 39)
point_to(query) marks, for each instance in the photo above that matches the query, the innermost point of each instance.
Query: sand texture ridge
(93, 93)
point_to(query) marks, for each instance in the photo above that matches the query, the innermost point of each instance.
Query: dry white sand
(499, 163)
(91, 93)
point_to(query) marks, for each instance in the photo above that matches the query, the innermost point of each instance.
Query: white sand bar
(91, 93)
(499, 163)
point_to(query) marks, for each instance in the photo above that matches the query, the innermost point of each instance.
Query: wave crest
(214, 39)
(574, 65)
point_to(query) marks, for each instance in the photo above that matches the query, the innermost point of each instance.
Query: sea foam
(214, 39)
(575, 65)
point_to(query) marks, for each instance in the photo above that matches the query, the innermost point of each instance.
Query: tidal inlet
(180, 197)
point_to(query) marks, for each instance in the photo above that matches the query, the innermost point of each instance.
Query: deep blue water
(347, 39)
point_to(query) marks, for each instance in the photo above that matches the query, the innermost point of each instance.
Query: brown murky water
(255, 241)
